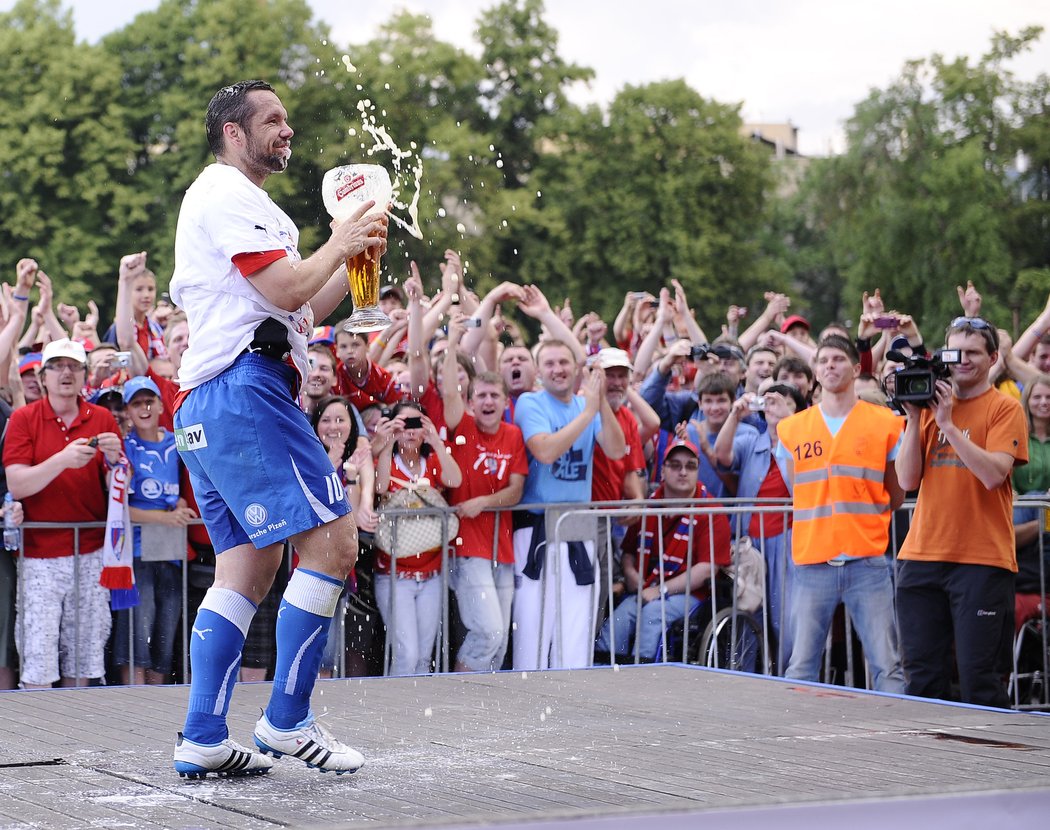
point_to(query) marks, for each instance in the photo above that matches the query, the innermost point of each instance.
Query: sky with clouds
(809, 62)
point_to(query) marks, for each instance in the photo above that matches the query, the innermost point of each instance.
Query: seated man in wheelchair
(667, 576)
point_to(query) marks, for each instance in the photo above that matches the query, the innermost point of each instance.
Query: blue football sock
(216, 641)
(306, 613)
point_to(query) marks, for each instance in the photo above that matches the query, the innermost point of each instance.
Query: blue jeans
(156, 617)
(779, 570)
(618, 632)
(864, 587)
(484, 595)
(411, 610)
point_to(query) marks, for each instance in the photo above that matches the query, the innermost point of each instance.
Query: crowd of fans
(451, 398)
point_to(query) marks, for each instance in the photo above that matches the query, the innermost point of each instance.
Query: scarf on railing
(117, 553)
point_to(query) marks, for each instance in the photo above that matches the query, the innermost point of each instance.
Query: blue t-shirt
(154, 476)
(568, 479)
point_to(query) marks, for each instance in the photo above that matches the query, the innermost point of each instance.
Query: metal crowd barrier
(1028, 684)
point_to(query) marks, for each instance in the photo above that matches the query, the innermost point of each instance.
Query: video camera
(916, 382)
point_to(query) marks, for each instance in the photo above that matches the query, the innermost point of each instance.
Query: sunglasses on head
(972, 322)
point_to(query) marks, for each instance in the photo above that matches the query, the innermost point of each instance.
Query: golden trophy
(344, 189)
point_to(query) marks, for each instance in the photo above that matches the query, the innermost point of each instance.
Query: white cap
(64, 348)
(609, 358)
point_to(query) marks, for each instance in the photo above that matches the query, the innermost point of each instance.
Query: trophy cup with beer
(344, 189)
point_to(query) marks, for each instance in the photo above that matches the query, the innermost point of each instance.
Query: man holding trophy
(259, 473)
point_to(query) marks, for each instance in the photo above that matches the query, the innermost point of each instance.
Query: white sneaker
(228, 758)
(310, 742)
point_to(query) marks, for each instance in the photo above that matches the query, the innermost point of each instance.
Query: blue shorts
(258, 470)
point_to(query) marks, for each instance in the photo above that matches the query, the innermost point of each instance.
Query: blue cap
(139, 383)
(106, 392)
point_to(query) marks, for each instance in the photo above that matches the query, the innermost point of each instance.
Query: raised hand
(969, 299)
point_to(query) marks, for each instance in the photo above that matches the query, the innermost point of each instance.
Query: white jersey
(224, 214)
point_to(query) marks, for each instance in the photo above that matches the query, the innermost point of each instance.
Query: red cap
(682, 445)
(794, 320)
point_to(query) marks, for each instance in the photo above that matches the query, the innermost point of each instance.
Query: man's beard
(264, 161)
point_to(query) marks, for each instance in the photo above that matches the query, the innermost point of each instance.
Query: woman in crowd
(351, 455)
(1033, 479)
(411, 454)
(762, 478)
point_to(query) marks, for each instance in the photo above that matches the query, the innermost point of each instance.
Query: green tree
(663, 186)
(928, 196)
(526, 81)
(68, 198)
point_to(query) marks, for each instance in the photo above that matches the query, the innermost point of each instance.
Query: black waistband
(270, 340)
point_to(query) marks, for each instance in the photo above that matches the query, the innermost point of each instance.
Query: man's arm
(648, 419)
(289, 285)
(776, 306)
(990, 467)
(647, 348)
(535, 304)
(131, 267)
(908, 467)
(685, 316)
(25, 480)
(418, 356)
(50, 321)
(1026, 342)
(610, 438)
(473, 339)
(506, 497)
(893, 486)
(682, 583)
(451, 394)
(723, 448)
(548, 447)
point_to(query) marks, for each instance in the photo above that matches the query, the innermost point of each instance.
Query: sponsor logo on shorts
(188, 439)
(271, 527)
(255, 514)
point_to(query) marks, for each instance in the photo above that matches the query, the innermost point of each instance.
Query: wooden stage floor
(646, 746)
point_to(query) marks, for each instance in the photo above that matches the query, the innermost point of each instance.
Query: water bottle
(10, 529)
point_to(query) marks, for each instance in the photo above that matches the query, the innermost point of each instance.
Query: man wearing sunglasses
(955, 577)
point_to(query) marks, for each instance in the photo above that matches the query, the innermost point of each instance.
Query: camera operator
(956, 568)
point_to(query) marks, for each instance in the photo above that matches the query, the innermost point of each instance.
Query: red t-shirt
(34, 434)
(608, 476)
(772, 487)
(377, 388)
(427, 563)
(487, 461)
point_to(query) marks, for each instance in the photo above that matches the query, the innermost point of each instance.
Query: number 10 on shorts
(335, 488)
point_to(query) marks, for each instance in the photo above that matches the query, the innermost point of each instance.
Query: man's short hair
(794, 364)
(230, 104)
(974, 325)
(1044, 340)
(547, 344)
(716, 383)
(756, 350)
(494, 378)
(321, 348)
(843, 344)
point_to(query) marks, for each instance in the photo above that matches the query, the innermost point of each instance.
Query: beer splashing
(406, 162)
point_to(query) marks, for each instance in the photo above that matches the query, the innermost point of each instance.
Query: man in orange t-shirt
(956, 571)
